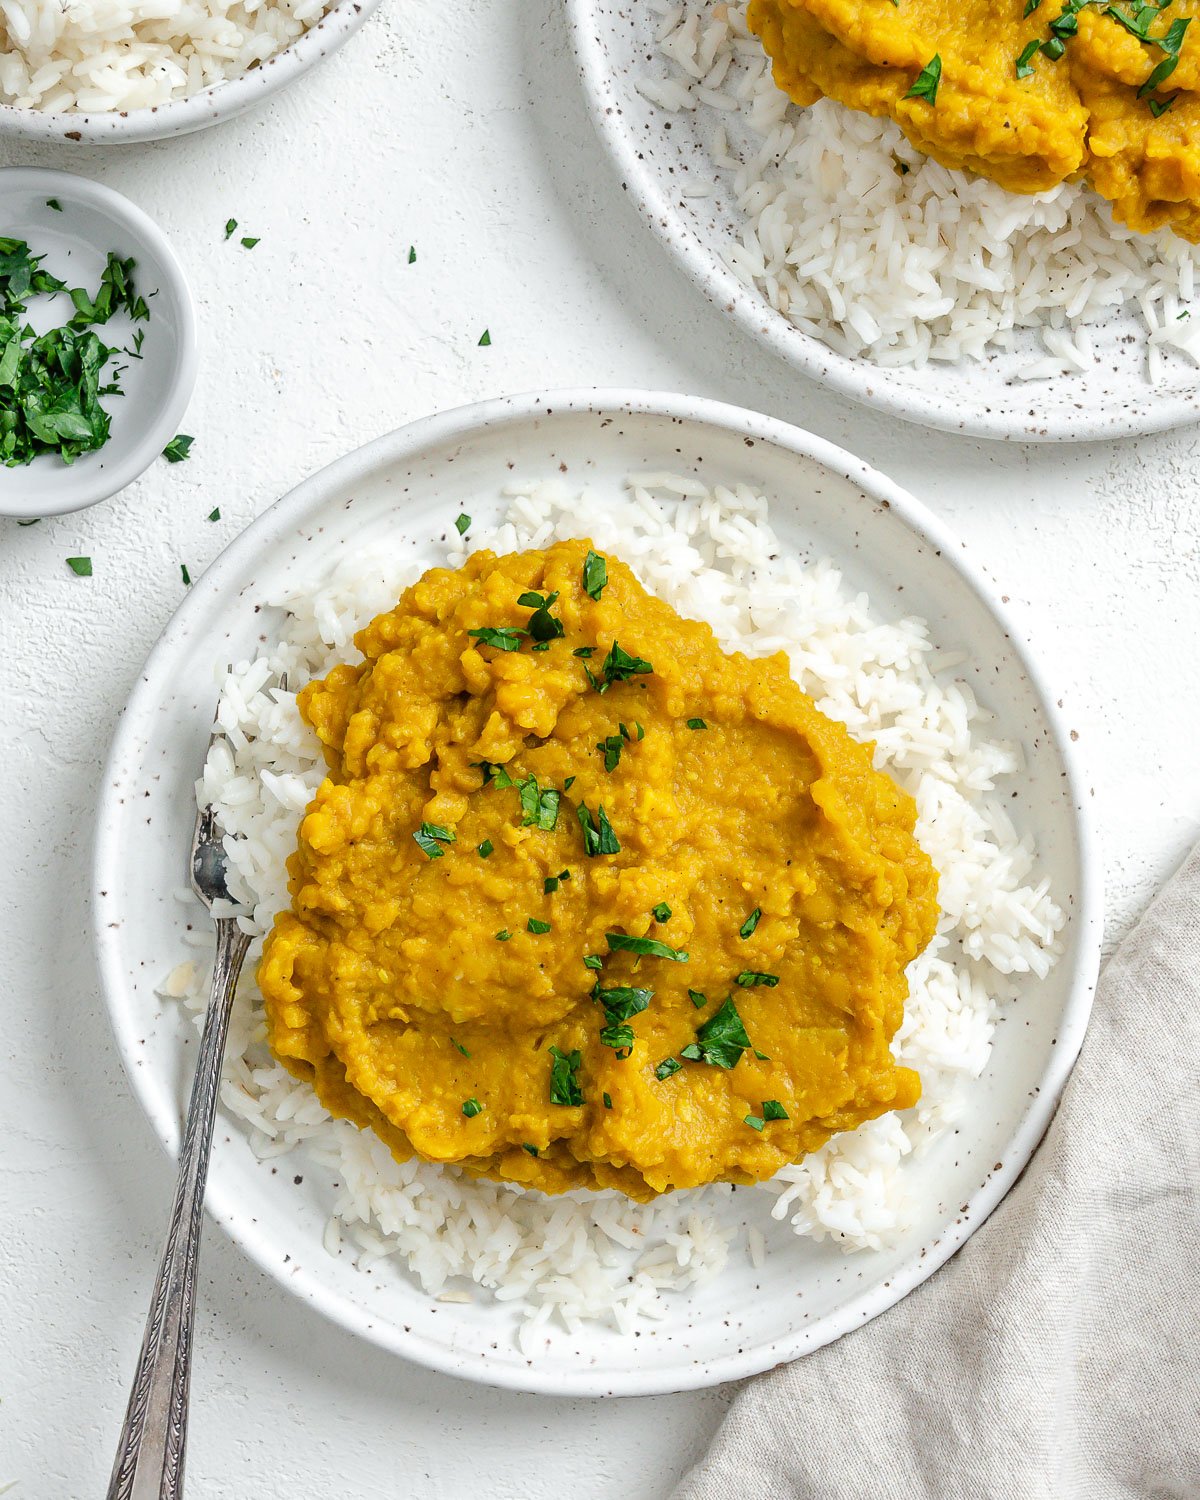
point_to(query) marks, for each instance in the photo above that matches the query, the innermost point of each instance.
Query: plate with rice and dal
(669, 946)
(980, 220)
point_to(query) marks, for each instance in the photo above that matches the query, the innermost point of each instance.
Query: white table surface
(457, 128)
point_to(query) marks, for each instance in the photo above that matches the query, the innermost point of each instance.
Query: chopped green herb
(750, 923)
(696, 724)
(38, 521)
(215, 513)
(462, 523)
(1170, 44)
(721, 1040)
(762, 1056)
(458, 1047)
(668, 1066)
(754, 1122)
(185, 575)
(607, 1100)
(621, 1003)
(619, 1037)
(773, 1110)
(500, 637)
(539, 809)
(598, 836)
(503, 935)
(584, 651)
(619, 666)
(568, 784)
(249, 244)
(429, 838)
(1054, 48)
(533, 1150)
(80, 566)
(595, 574)
(1159, 107)
(54, 204)
(1031, 6)
(485, 338)
(471, 1108)
(230, 226)
(926, 84)
(611, 746)
(592, 961)
(535, 924)
(178, 448)
(661, 912)
(412, 254)
(697, 999)
(748, 978)
(494, 775)
(543, 626)
(622, 942)
(484, 850)
(564, 1085)
(1025, 59)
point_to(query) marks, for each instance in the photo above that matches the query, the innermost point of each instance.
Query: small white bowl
(75, 241)
(118, 127)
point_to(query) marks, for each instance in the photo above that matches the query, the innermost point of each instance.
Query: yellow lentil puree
(584, 900)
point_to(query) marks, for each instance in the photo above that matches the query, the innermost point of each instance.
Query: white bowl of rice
(118, 71)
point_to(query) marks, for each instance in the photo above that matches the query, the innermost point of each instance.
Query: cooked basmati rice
(860, 240)
(90, 56)
(713, 556)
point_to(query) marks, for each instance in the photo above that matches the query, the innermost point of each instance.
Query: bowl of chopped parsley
(97, 342)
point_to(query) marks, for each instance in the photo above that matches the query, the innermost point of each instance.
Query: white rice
(879, 252)
(97, 55)
(713, 556)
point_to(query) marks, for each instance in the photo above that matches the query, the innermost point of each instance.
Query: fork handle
(150, 1453)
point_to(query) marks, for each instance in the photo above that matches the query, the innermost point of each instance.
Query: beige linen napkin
(1057, 1355)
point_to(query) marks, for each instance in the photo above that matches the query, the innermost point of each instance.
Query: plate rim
(462, 423)
(874, 386)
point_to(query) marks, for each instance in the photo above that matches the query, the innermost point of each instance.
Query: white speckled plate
(414, 483)
(614, 45)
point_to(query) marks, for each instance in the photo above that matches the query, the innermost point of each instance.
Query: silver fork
(150, 1453)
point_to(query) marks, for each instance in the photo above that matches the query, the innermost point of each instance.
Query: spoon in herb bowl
(93, 398)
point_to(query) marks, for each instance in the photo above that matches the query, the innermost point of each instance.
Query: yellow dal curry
(1101, 89)
(586, 901)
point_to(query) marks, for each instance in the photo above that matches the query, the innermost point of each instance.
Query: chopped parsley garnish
(533, 1150)
(493, 774)
(429, 838)
(564, 1085)
(696, 724)
(611, 746)
(592, 961)
(1025, 60)
(462, 523)
(215, 513)
(535, 924)
(1030, 7)
(54, 204)
(584, 651)
(458, 1047)
(1159, 107)
(184, 574)
(543, 626)
(485, 338)
(773, 1110)
(1169, 44)
(503, 935)
(485, 849)
(750, 923)
(595, 574)
(668, 1066)
(607, 1100)
(762, 1056)
(721, 1040)
(748, 978)
(697, 999)
(552, 882)
(621, 1003)
(412, 254)
(249, 244)
(230, 226)
(644, 947)
(754, 1122)
(619, 666)
(619, 1037)
(471, 1108)
(539, 809)
(598, 836)
(80, 566)
(500, 637)
(926, 83)
(661, 912)
(178, 448)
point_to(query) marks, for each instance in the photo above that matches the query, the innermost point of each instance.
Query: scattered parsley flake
(667, 1067)
(462, 523)
(54, 204)
(696, 724)
(773, 1110)
(539, 809)
(536, 925)
(721, 1040)
(249, 244)
(611, 747)
(503, 935)
(178, 448)
(412, 254)
(751, 922)
(622, 1003)
(592, 961)
(1025, 59)
(697, 999)
(429, 838)
(499, 637)
(485, 338)
(619, 1037)
(661, 912)
(533, 1150)
(564, 1085)
(215, 513)
(748, 978)
(619, 666)
(598, 835)
(644, 947)
(607, 1100)
(471, 1108)
(754, 1122)
(595, 574)
(230, 226)
(484, 850)
(185, 575)
(80, 566)
(543, 626)
(762, 1056)
(458, 1046)
(925, 86)
(584, 651)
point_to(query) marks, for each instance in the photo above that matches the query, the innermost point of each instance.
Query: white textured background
(457, 127)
